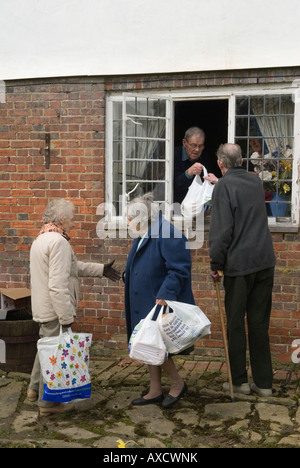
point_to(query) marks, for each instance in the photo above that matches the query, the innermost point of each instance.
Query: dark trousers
(250, 295)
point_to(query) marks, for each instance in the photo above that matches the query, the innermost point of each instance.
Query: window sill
(115, 226)
(275, 227)
(283, 227)
(279, 226)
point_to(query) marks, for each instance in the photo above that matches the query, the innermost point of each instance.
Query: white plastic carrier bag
(64, 362)
(146, 344)
(198, 195)
(182, 325)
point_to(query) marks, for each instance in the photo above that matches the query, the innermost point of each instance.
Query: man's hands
(110, 272)
(211, 178)
(216, 276)
(195, 169)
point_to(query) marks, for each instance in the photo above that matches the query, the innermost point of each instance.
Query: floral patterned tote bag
(64, 362)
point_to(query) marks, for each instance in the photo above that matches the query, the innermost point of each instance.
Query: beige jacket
(54, 271)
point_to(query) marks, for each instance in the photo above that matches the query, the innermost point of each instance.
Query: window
(140, 144)
(265, 131)
(141, 139)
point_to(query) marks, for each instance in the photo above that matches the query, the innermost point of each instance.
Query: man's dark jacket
(181, 181)
(240, 240)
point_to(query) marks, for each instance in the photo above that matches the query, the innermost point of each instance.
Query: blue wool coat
(159, 269)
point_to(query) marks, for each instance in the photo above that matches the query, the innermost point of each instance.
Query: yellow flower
(59, 375)
(286, 188)
(121, 443)
(287, 165)
(274, 175)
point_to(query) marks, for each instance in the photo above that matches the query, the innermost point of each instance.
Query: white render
(42, 38)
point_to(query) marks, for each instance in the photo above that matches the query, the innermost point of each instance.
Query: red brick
(72, 110)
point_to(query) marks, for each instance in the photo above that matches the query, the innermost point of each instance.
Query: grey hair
(58, 211)
(144, 208)
(194, 131)
(230, 155)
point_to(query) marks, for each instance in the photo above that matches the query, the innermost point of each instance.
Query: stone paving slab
(204, 418)
(9, 397)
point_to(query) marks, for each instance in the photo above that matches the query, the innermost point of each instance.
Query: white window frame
(109, 147)
(168, 141)
(230, 93)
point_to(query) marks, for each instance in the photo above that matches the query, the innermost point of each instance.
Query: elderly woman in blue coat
(158, 269)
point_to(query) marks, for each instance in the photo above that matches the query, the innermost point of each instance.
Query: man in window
(241, 247)
(189, 160)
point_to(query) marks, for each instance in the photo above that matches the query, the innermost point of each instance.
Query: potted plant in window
(275, 169)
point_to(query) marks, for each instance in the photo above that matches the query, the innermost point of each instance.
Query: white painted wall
(47, 38)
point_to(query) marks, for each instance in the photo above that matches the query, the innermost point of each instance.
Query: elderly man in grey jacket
(241, 247)
(54, 271)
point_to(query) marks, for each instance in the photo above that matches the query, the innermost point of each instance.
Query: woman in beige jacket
(54, 271)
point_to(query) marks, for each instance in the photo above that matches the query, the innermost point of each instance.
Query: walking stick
(224, 336)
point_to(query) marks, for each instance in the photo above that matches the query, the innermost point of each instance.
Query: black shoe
(170, 400)
(142, 401)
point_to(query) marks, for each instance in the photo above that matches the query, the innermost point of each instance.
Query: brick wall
(73, 112)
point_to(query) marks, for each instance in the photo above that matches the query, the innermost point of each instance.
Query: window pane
(257, 105)
(266, 136)
(272, 105)
(254, 129)
(287, 105)
(145, 149)
(271, 145)
(143, 127)
(117, 130)
(270, 126)
(242, 105)
(117, 187)
(156, 108)
(242, 126)
(146, 107)
(117, 151)
(117, 111)
(145, 170)
(244, 144)
(157, 188)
